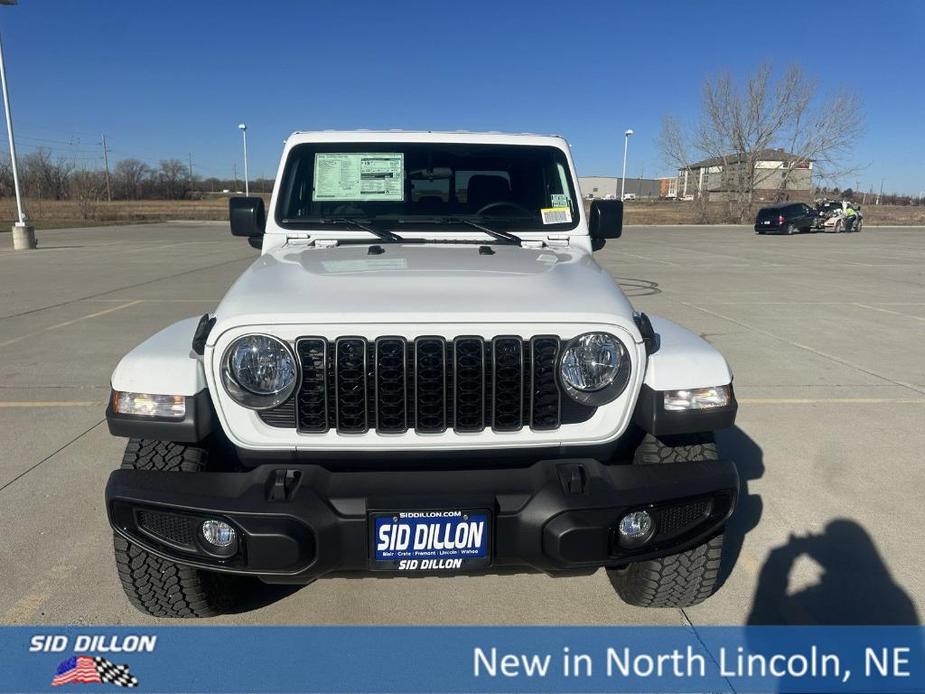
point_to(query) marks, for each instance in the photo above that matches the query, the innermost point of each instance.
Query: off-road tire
(678, 580)
(156, 586)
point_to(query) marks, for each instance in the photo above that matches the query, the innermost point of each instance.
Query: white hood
(427, 283)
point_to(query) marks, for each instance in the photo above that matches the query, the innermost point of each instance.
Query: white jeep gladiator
(424, 372)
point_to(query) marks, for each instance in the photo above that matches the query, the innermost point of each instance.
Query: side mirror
(248, 217)
(605, 222)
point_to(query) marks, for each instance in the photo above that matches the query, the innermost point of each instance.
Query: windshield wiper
(497, 233)
(381, 234)
(505, 236)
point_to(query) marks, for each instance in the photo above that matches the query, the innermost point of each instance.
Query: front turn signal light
(148, 405)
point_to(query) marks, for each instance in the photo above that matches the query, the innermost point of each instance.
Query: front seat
(484, 189)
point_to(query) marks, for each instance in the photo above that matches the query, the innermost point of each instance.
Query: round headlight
(594, 368)
(259, 371)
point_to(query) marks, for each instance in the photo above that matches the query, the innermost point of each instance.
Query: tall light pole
(243, 127)
(626, 144)
(23, 233)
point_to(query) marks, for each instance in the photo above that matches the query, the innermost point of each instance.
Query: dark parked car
(785, 218)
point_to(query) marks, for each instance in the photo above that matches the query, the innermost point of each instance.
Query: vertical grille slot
(313, 393)
(545, 398)
(469, 384)
(430, 384)
(391, 385)
(508, 384)
(350, 379)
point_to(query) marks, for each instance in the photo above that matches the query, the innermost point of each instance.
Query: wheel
(859, 225)
(839, 226)
(791, 230)
(160, 587)
(686, 578)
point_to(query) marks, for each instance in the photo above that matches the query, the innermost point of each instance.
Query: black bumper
(297, 523)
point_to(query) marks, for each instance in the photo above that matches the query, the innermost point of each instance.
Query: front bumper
(299, 522)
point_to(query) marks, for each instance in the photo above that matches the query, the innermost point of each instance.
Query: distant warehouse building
(602, 187)
(779, 175)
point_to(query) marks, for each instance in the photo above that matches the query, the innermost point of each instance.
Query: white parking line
(831, 401)
(12, 404)
(71, 322)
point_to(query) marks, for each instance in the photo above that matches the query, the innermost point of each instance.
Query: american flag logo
(87, 669)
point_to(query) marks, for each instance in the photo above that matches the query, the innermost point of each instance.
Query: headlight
(594, 368)
(259, 371)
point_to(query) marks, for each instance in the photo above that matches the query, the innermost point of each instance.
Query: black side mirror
(248, 217)
(605, 222)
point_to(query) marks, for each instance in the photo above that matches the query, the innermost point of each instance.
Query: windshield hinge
(326, 243)
(558, 240)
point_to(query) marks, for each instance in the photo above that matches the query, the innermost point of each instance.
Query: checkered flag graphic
(115, 674)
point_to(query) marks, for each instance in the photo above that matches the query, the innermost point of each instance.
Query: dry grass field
(51, 214)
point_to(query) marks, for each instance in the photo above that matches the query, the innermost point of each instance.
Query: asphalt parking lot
(824, 333)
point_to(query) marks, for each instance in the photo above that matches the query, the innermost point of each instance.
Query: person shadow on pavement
(855, 587)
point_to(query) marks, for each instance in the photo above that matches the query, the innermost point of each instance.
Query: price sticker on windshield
(556, 215)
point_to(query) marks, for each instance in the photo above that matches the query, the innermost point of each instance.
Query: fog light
(635, 529)
(218, 534)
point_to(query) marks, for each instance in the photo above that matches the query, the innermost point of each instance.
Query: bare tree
(172, 179)
(129, 177)
(44, 178)
(89, 189)
(738, 124)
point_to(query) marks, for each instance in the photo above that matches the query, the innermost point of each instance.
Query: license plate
(430, 540)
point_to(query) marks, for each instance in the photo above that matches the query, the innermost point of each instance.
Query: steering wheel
(504, 203)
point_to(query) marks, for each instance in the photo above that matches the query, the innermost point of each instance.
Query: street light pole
(243, 127)
(626, 144)
(23, 233)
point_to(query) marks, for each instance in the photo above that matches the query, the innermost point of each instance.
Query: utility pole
(880, 193)
(234, 167)
(190, 155)
(243, 127)
(626, 143)
(23, 233)
(106, 163)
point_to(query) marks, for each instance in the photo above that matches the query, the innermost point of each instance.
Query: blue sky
(171, 78)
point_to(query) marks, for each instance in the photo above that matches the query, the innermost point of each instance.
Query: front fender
(684, 360)
(165, 364)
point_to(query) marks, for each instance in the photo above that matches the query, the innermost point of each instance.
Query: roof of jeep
(461, 136)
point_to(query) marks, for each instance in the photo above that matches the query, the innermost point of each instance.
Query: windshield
(506, 186)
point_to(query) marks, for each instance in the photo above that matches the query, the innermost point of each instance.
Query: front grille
(428, 385)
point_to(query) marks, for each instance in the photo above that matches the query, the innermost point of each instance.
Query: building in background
(779, 175)
(608, 187)
(668, 187)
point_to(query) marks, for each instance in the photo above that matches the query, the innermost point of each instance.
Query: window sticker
(359, 177)
(559, 200)
(556, 215)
